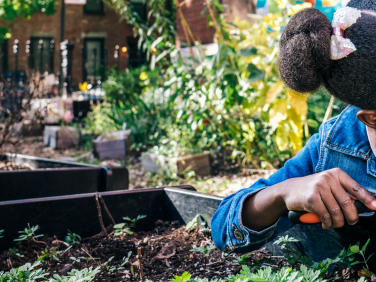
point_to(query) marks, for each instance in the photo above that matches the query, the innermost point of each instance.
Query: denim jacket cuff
(238, 234)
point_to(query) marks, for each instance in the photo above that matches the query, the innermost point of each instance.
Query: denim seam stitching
(320, 163)
(331, 136)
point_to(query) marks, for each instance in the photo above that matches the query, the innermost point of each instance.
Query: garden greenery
(232, 103)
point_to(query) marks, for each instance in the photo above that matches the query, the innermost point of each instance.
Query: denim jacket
(342, 142)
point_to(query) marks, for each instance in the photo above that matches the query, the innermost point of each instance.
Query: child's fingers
(320, 209)
(355, 189)
(333, 208)
(345, 201)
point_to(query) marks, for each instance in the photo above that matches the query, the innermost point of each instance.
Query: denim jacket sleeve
(229, 233)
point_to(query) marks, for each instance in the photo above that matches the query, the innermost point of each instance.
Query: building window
(94, 7)
(139, 7)
(136, 57)
(4, 56)
(93, 60)
(42, 51)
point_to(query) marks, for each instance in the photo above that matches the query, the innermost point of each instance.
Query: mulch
(165, 253)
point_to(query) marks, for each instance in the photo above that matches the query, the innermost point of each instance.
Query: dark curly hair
(305, 63)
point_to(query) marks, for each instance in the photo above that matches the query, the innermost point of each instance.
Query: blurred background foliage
(13, 9)
(233, 103)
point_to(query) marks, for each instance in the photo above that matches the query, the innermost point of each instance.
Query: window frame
(94, 13)
(32, 58)
(85, 58)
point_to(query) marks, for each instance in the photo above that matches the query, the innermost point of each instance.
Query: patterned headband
(343, 18)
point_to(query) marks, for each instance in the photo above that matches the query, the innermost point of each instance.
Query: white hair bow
(343, 18)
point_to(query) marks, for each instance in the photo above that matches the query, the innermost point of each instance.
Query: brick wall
(192, 10)
(199, 25)
(77, 27)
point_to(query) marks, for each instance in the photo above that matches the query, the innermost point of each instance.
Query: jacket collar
(348, 135)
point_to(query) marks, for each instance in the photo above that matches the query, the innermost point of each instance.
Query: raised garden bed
(56, 178)
(199, 163)
(158, 243)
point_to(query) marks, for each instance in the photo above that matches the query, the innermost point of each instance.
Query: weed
(105, 265)
(28, 235)
(205, 251)
(121, 230)
(86, 274)
(348, 257)
(73, 239)
(15, 251)
(183, 278)
(23, 273)
(289, 251)
(120, 266)
(49, 255)
(134, 220)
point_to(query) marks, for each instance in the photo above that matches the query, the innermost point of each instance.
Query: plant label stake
(304, 217)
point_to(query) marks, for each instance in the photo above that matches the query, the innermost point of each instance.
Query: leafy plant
(48, 255)
(121, 230)
(120, 266)
(1, 233)
(86, 274)
(183, 278)
(105, 265)
(134, 220)
(29, 235)
(292, 255)
(15, 251)
(26, 273)
(73, 239)
(348, 256)
(205, 251)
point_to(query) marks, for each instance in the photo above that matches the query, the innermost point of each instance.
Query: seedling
(348, 257)
(120, 266)
(105, 266)
(15, 251)
(75, 260)
(121, 230)
(134, 220)
(1, 233)
(192, 223)
(183, 278)
(29, 235)
(50, 255)
(73, 239)
(205, 251)
(289, 251)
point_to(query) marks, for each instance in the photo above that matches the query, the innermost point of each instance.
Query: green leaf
(354, 249)
(256, 74)
(119, 226)
(365, 245)
(203, 12)
(248, 52)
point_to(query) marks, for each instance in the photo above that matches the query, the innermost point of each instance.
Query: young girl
(338, 164)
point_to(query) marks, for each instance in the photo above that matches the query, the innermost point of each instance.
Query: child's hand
(329, 194)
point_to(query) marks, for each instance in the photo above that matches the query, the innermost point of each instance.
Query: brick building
(94, 29)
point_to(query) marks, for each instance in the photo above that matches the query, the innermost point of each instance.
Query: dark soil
(165, 253)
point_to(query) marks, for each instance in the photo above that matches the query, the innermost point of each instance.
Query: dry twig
(107, 211)
(100, 214)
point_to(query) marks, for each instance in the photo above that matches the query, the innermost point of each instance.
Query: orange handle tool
(303, 217)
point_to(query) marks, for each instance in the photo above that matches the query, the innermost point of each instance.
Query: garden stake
(107, 211)
(100, 214)
(141, 267)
